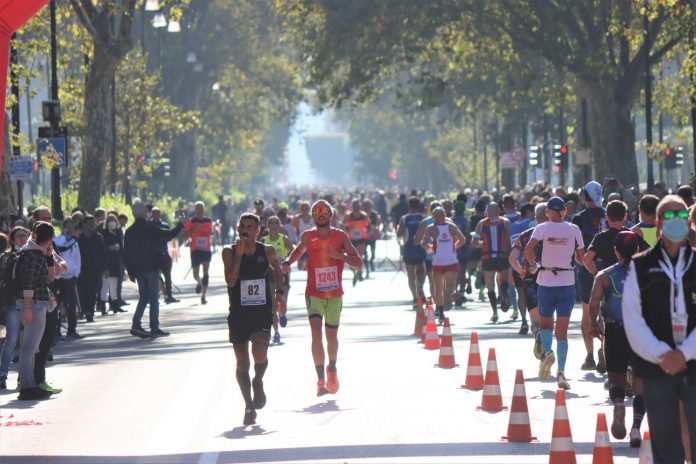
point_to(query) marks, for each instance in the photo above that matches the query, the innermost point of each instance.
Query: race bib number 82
(253, 292)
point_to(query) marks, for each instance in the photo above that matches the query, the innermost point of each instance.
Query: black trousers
(45, 345)
(68, 291)
(167, 274)
(88, 285)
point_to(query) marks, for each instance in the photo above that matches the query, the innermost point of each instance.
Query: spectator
(66, 245)
(93, 256)
(687, 194)
(142, 256)
(112, 242)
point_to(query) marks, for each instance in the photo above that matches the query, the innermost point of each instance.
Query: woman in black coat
(112, 241)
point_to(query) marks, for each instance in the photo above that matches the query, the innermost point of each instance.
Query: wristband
(280, 290)
(50, 261)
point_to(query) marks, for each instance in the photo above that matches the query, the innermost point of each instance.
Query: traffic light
(670, 158)
(534, 152)
(560, 155)
(165, 167)
(679, 156)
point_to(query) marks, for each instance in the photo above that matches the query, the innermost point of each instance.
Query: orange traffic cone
(423, 324)
(519, 429)
(474, 371)
(492, 401)
(601, 454)
(562, 448)
(432, 340)
(418, 326)
(446, 360)
(645, 455)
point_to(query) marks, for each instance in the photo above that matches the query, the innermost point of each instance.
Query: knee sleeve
(204, 280)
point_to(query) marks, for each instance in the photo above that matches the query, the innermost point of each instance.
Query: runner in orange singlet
(199, 228)
(356, 224)
(327, 249)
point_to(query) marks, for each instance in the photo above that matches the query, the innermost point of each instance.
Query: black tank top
(252, 290)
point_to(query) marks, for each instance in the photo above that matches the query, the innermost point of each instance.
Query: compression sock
(638, 410)
(320, 371)
(259, 370)
(332, 366)
(562, 347)
(244, 385)
(546, 339)
(617, 395)
(204, 280)
(493, 301)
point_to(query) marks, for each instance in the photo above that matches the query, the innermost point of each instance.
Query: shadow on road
(246, 431)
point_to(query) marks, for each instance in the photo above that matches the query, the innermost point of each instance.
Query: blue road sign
(21, 168)
(53, 149)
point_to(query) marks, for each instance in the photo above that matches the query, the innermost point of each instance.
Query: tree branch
(86, 18)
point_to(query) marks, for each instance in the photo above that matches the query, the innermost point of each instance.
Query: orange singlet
(324, 274)
(200, 239)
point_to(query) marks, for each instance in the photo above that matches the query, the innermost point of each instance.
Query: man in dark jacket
(143, 258)
(93, 257)
(659, 313)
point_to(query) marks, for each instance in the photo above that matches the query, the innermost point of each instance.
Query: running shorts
(328, 309)
(199, 257)
(358, 242)
(586, 282)
(428, 266)
(495, 264)
(559, 300)
(530, 292)
(247, 325)
(517, 279)
(446, 268)
(476, 254)
(616, 348)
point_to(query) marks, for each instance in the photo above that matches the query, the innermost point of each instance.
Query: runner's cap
(594, 191)
(556, 204)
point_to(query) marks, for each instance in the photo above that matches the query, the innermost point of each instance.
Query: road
(176, 400)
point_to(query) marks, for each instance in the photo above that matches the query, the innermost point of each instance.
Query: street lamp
(174, 26)
(152, 5)
(191, 57)
(159, 20)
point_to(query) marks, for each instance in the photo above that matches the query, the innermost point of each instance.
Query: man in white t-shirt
(561, 242)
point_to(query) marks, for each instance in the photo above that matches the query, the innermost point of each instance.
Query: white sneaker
(635, 438)
(545, 365)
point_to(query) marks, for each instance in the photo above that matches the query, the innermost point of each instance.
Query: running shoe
(321, 388)
(199, 288)
(524, 328)
(276, 340)
(634, 437)
(332, 382)
(468, 287)
(259, 395)
(415, 304)
(249, 416)
(545, 365)
(515, 315)
(355, 280)
(538, 346)
(49, 388)
(494, 318)
(283, 320)
(618, 424)
(589, 364)
(203, 300)
(601, 362)
(561, 381)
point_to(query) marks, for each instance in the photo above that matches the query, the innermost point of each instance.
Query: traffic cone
(601, 453)
(562, 448)
(519, 429)
(418, 327)
(446, 359)
(474, 371)
(645, 455)
(432, 340)
(424, 317)
(492, 401)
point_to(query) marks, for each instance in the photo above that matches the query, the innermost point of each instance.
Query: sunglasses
(321, 211)
(670, 214)
(21, 235)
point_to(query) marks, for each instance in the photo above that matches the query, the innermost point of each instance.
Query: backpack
(9, 277)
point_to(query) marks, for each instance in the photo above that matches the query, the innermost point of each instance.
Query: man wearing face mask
(66, 245)
(659, 312)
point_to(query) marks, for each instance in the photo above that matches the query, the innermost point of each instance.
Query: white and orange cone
(601, 453)
(446, 359)
(645, 455)
(474, 370)
(519, 430)
(432, 339)
(492, 400)
(562, 447)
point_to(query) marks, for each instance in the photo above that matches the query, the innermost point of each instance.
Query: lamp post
(648, 100)
(16, 151)
(56, 208)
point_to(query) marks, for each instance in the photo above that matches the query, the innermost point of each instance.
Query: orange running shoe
(332, 383)
(321, 388)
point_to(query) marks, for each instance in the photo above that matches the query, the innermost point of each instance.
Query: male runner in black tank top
(247, 273)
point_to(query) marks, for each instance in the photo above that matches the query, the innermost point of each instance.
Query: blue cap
(556, 204)
(594, 191)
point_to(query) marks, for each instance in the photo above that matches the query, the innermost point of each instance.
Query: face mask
(675, 229)
(111, 225)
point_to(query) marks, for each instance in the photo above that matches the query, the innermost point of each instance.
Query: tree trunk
(611, 131)
(98, 136)
(8, 194)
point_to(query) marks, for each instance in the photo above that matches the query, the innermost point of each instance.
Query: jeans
(148, 291)
(13, 324)
(45, 346)
(662, 395)
(30, 344)
(68, 291)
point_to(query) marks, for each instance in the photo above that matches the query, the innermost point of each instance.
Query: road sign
(583, 156)
(21, 168)
(514, 158)
(50, 153)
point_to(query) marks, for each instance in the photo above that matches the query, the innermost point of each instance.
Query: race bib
(355, 234)
(253, 292)
(326, 278)
(202, 243)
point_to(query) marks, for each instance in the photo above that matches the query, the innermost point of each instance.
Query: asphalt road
(176, 400)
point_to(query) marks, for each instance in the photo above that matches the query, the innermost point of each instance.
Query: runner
(283, 247)
(301, 223)
(374, 231)
(474, 264)
(591, 221)
(523, 222)
(556, 281)
(413, 255)
(446, 238)
(492, 237)
(356, 224)
(327, 250)
(199, 228)
(247, 275)
(647, 210)
(427, 221)
(462, 252)
(519, 263)
(606, 294)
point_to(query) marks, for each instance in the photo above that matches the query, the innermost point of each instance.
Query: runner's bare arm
(232, 259)
(421, 230)
(588, 262)
(476, 242)
(426, 236)
(598, 287)
(351, 256)
(514, 263)
(400, 229)
(580, 256)
(288, 244)
(296, 253)
(529, 250)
